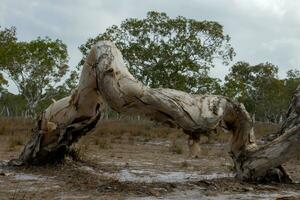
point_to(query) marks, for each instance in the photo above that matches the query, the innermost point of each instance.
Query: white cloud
(275, 8)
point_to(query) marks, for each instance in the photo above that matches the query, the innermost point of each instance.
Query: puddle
(70, 197)
(87, 168)
(114, 162)
(129, 162)
(160, 143)
(29, 177)
(214, 145)
(198, 194)
(153, 175)
(149, 176)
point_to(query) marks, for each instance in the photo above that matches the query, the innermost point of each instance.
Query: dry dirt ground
(132, 160)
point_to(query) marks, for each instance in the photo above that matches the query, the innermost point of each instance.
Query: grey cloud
(261, 30)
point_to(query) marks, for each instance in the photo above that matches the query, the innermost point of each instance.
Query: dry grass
(260, 129)
(15, 125)
(264, 128)
(14, 131)
(138, 128)
(103, 143)
(15, 140)
(177, 148)
(78, 152)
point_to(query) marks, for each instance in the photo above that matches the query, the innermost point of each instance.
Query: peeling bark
(65, 121)
(195, 114)
(37, 152)
(105, 80)
(264, 164)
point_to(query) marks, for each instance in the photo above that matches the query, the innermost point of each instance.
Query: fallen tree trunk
(64, 121)
(195, 114)
(36, 152)
(198, 114)
(105, 80)
(264, 163)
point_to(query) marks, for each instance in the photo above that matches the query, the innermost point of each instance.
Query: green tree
(259, 88)
(291, 82)
(272, 100)
(12, 105)
(35, 67)
(58, 92)
(7, 38)
(173, 53)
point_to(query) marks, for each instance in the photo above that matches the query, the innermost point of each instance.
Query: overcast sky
(260, 30)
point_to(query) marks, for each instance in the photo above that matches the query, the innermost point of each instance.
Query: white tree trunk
(195, 114)
(105, 80)
(65, 121)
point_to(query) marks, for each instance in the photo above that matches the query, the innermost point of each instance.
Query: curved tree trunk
(106, 80)
(64, 121)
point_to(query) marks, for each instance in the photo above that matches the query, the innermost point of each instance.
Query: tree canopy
(260, 89)
(7, 38)
(160, 51)
(35, 66)
(170, 52)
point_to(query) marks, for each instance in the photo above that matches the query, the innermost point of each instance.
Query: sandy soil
(133, 167)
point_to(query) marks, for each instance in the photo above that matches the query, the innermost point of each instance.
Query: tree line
(160, 51)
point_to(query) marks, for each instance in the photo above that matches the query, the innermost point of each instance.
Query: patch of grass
(219, 136)
(131, 139)
(9, 125)
(184, 164)
(15, 131)
(260, 129)
(176, 148)
(204, 151)
(78, 152)
(15, 140)
(146, 139)
(297, 157)
(96, 141)
(2, 130)
(102, 143)
(136, 128)
(263, 128)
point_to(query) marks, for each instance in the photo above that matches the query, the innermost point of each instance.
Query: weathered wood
(36, 152)
(195, 114)
(105, 80)
(256, 165)
(264, 164)
(198, 114)
(64, 121)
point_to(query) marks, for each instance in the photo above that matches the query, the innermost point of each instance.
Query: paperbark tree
(106, 81)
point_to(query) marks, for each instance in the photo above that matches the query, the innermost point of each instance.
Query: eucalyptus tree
(35, 66)
(169, 52)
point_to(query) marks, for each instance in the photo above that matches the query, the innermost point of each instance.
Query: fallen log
(264, 164)
(105, 80)
(64, 121)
